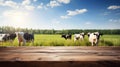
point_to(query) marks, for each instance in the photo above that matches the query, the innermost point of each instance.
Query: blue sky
(60, 14)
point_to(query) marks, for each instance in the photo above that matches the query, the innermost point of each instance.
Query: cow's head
(83, 34)
(88, 34)
(98, 34)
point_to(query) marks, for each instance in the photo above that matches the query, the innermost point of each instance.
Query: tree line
(10, 29)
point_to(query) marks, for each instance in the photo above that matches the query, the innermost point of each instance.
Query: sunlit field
(56, 40)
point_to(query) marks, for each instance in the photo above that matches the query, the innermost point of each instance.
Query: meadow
(56, 40)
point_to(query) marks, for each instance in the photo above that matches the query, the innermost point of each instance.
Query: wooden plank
(60, 54)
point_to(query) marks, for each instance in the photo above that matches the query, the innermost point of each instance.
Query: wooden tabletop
(60, 54)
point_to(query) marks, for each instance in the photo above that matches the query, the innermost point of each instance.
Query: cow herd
(22, 37)
(93, 37)
(29, 37)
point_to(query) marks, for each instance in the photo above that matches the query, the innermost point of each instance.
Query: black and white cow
(10, 37)
(66, 36)
(7, 37)
(25, 37)
(94, 38)
(79, 36)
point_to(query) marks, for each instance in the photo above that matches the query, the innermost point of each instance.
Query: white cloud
(64, 1)
(106, 13)
(73, 13)
(45, 7)
(34, 0)
(113, 7)
(40, 6)
(76, 12)
(55, 21)
(53, 4)
(110, 20)
(88, 23)
(1, 2)
(113, 23)
(26, 2)
(114, 20)
(9, 3)
(29, 7)
(64, 17)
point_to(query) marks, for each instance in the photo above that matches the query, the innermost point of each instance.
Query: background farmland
(51, 37)
(56, 40)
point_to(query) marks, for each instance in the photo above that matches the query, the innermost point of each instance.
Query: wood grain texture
(66, 56)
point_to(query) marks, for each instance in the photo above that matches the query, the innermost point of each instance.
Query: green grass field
(56, 40)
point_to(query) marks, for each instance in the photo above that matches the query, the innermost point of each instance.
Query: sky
(60, 14)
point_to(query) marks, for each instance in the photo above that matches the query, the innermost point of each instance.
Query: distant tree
(10, 29)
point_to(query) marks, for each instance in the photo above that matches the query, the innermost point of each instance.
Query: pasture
(56, 40)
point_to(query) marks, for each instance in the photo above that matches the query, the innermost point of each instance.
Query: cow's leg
(32, 42)
(82, 38)
(24, 42)
(19, 43)
(96, 42)
(92, 43)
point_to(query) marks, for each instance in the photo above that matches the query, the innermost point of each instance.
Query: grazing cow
(66, 36)
(94, 38)
(25, 37)
(79, 36)
(7, 37)
(29, 37)
(10, 37)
